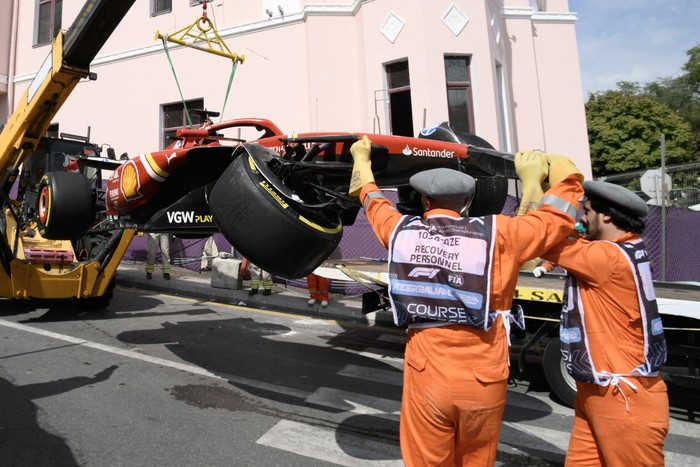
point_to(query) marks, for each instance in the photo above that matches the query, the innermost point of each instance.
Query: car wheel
(65, 206)
(560, 381)
(269, 223)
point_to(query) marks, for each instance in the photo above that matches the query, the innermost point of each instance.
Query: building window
(52, 131)
(459, 93)
(48, 20)
(174, 117)
(159, 7)
(399, 87)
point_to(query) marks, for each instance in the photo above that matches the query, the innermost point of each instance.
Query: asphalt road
(163, 380)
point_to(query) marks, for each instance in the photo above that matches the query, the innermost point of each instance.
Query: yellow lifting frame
(201, 32)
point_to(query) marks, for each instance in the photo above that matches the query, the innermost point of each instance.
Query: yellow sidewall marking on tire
(266, 186)
(321, 228)
(252, 165)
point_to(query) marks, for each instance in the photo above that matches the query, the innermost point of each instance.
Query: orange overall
(318, 287)
(605, 432)
(455, 375)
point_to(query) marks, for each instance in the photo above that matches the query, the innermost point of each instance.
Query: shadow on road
(23, 442)
(267, 360)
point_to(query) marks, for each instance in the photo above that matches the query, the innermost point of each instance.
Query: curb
(191, 284)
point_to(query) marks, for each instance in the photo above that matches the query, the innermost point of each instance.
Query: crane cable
(223, 50)
(177, 82)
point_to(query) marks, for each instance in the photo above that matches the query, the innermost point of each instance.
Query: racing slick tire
(65, 206)
(269, 227)
(560, 381)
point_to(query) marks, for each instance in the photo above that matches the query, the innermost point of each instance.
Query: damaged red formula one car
(280, 200)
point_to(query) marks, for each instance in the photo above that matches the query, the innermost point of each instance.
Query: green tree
(682, 94)
(692, 70)
(625, 128)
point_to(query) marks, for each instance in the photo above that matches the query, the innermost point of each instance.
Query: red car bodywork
(134, 183)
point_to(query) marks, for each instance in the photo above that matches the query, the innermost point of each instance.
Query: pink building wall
(317, 67)
(6, 47)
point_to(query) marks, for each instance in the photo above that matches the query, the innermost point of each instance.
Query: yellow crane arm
(67, 63)
(51, 86)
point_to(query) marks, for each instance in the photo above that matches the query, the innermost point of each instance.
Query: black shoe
(267, 292)
(252, 291)
(149, 276)
(166, 276)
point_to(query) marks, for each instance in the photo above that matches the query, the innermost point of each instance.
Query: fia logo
(455, 280)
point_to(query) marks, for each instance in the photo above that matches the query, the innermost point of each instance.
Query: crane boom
(63, 264)
(67, 63)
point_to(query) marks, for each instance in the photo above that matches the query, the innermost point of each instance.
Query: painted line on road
(350, 402)
(337, 447)
(113, 350)
(195, 370)
(354, 402)
(394, 378)
(346, 324)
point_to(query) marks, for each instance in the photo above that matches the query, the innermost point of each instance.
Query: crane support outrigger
(31, 264)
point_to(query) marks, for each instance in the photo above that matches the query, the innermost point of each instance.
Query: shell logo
(129, 181)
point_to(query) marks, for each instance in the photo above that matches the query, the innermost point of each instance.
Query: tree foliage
(624, 132)
(681, 94)
(625, 125)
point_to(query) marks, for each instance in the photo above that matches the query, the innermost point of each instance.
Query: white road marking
(355, 402)
(372, 374)
(673, 458)
(358, 404)
(114, 350)
(159, 361)
(331, 445)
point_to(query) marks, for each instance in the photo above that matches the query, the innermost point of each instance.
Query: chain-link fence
(672, 230)
(682, 185)
(358, 241)
(672, 235)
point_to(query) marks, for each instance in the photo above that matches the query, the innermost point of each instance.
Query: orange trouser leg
(454, 395)
(323, 285)
(312, 285)
(605, 434)
(318, 286)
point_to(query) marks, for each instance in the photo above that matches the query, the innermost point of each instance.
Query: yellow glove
(362, 167)
(560, 167)
(531, 167)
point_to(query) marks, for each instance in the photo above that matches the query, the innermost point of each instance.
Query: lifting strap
(203, 36)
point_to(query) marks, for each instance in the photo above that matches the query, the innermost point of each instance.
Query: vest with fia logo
(572, 333)
(440, 270)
